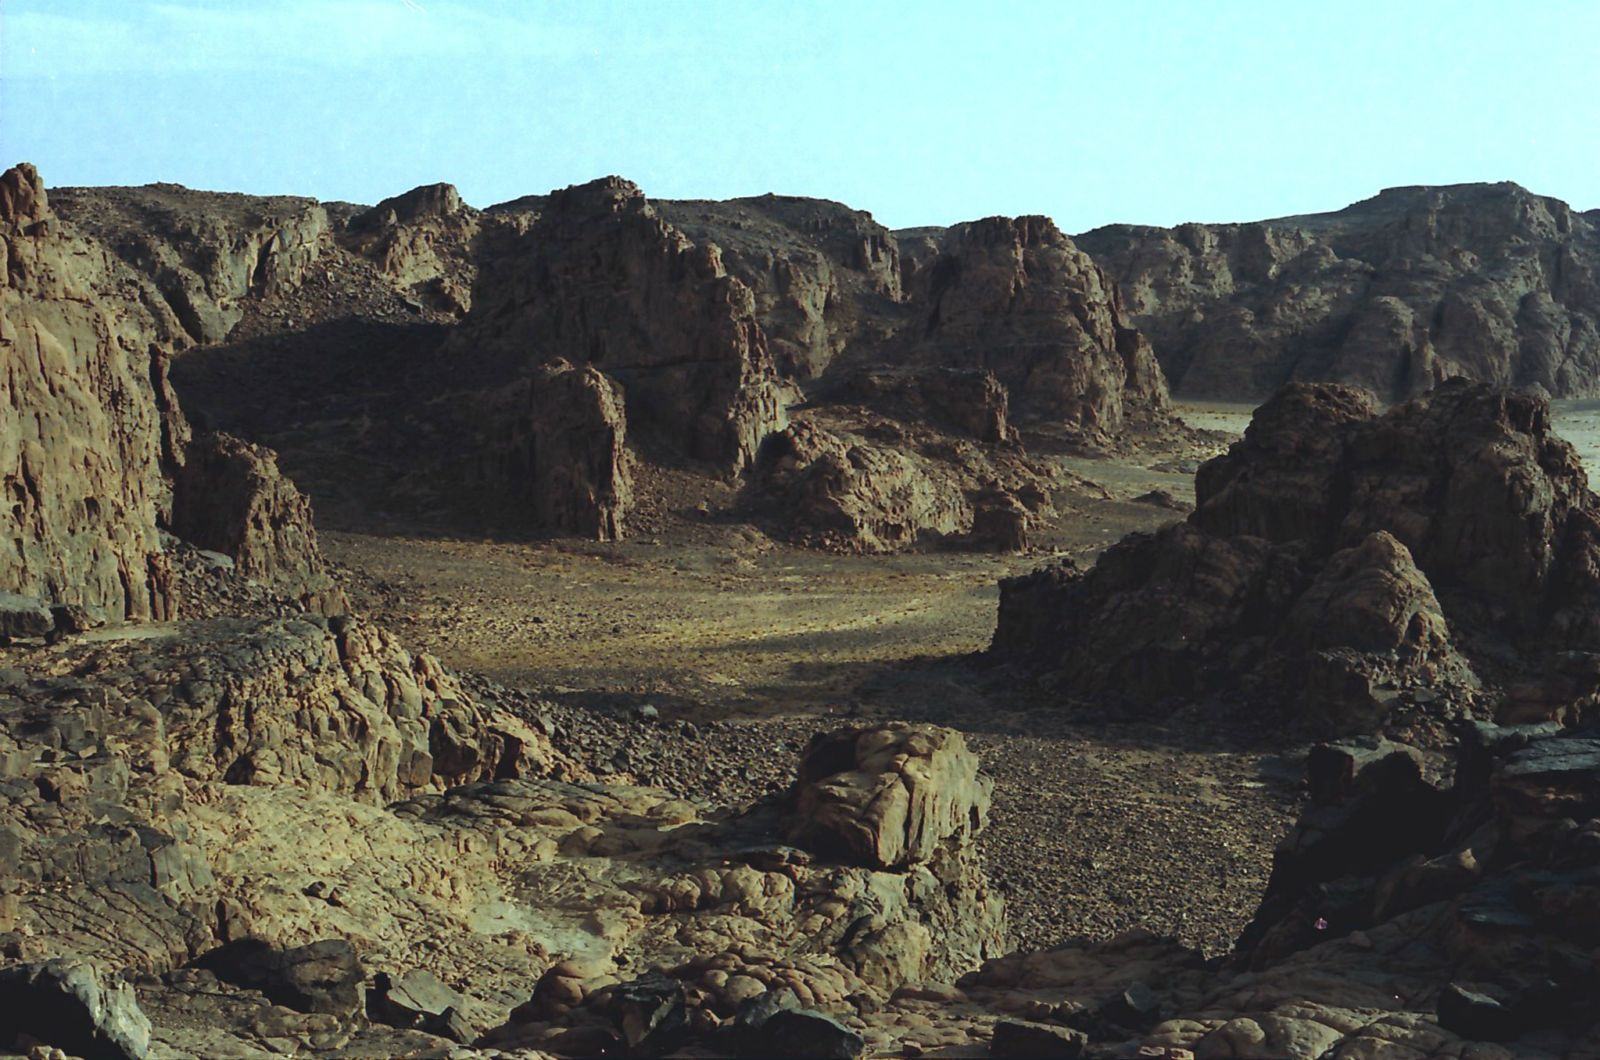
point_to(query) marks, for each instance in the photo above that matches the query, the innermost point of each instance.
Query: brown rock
(230, 497)
(555, 459)
(1396, 293)
(600, 278)
(889, 796)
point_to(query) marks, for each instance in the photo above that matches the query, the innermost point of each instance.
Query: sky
(923, 113)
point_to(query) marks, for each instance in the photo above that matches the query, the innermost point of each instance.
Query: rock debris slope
(1396, 293)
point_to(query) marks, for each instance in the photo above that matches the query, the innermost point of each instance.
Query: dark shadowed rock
(1027, 1040)
(321, 977)
(554, 459)
(65, 1003)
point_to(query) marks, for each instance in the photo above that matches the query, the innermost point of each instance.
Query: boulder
(554, 458)
(320, 977)
(230, 497)
(1027, 1040)
(24, 616)
(842, 492)
(889, 796)
(65, 1003)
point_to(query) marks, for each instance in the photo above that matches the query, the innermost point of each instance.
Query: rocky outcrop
(824, 276)
(1419, 908)
(89, 422)
(843, 492)
(1336, 549)
(889, 796)
(556, 459)
(1014, 296)
(421, 240)
(230, 497)
(601, 279)
(1396, 293)
(969, 402)
(207, 253)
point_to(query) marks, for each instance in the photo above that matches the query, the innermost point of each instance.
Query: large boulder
(65, 1003)
(230, 497)
(555, 458)
(843, 492)
(889, 797)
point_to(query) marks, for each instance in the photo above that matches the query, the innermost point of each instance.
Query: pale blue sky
(927, 113)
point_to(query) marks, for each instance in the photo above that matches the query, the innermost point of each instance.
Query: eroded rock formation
(555, 456)
(601, 279)
(824, 276)
(205, 252)
(230, 497)
(846, 493)
(1396, 293)
(90, 424)
(1014, 296)
(1332, 555)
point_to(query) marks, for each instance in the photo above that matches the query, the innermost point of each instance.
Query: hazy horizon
(1153, 113)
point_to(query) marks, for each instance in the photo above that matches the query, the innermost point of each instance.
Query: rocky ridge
(1395, 293)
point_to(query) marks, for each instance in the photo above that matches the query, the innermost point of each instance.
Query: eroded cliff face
(205, 252)
(600, 278)
(90, 425)
(97, 456)
(1016, 297)
(823, 275)
(1396, 293)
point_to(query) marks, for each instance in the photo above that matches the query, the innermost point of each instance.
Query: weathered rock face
(423, 241)
(230, 497)
(843, 492)
(1016, 297)
(1332, 543)
(556, 458)
(970, 402)
(1396, 293)
(823, 275)
(1473, 481)
(889, 797)
(205, 252)
(601, 279)
(89, 423)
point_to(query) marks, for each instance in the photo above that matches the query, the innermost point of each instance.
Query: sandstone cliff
(90, 425)
(96, 454)
(1396, 293)
(823, 275)
(600, 278)
(1016, 297)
